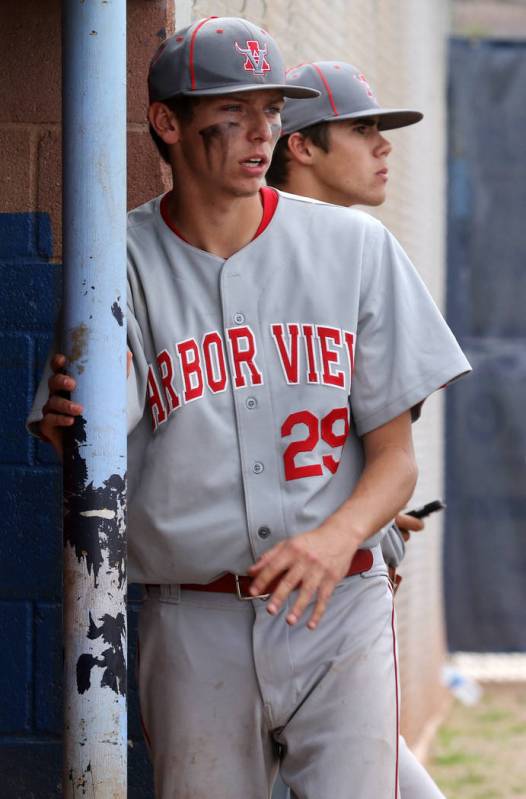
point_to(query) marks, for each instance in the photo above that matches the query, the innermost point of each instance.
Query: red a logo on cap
(363, 80)
(255, 60)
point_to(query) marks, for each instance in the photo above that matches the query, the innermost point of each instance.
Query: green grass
(479, 751)
(454, 758)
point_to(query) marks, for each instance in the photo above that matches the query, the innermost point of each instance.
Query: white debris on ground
(489, 667)
(461, 685)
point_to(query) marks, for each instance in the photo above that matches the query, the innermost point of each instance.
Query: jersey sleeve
(404, 349)
(393, 546)
(138, 377)
(41, 396)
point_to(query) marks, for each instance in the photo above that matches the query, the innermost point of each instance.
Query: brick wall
(401, 48)
(30, 503)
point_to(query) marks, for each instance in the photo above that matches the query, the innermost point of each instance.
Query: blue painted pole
(94, 341)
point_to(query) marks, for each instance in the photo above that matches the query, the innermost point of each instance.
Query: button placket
(255, 435)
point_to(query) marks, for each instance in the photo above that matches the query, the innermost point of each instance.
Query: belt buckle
(242, 596)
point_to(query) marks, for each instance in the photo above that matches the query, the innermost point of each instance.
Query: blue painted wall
(31, 538)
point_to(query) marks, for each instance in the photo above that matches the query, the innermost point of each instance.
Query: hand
(58, 411)
(408, 524)
(314, 562)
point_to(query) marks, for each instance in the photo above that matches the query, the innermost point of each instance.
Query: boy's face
(354, 171)
(228, 144)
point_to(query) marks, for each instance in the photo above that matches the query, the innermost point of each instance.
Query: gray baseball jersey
(254, 378)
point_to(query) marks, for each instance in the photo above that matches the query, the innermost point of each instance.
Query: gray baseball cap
(344, 94)
(220, 55)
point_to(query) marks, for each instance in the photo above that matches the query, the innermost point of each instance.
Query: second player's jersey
(255, 377)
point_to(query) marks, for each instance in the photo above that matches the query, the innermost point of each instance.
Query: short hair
(183, 107)
(278, 171)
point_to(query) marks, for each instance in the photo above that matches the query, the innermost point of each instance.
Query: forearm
(318, 559)
(385, 486)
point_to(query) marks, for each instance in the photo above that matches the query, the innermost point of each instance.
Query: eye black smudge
(218, 136)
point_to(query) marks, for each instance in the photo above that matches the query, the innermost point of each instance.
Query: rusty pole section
(94, 340)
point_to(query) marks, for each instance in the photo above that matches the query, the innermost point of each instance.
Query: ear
(164, 122)
(301, 149)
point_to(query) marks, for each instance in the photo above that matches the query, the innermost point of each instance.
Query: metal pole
(94, 229)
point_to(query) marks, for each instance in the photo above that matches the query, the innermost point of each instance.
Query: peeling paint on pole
(94, 517)
(94, 340)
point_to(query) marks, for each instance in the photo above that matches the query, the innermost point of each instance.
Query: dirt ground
(480, 752)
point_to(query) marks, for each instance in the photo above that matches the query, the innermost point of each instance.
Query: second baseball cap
(220, 55)
(344, 94)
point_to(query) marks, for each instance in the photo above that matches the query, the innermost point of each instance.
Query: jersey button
(251, 403)
(264, 532)
(258, 467)
(239, 318)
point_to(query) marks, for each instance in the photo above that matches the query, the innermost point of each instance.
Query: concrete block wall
(31, 548)
(400, 46)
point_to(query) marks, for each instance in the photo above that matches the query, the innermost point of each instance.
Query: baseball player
(257, 321)
(333, 149)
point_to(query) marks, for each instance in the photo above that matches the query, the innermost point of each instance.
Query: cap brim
(298, 92)
(389, 118)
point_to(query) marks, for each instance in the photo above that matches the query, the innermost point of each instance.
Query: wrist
(341, 525)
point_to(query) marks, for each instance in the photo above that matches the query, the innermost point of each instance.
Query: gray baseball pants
(230, 693)
(415, 782)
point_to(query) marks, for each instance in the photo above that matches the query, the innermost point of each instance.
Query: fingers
(61, 382)
(52, 420)
(61, 405)
(410, 523)
(300, 571)
(129, 358)
(59, 411)
(309, 587)
(58, 362)
(324, 594)
(290, 581)
(266, 558)
(268, 567)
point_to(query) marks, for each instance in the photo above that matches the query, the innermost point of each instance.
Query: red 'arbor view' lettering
(243, 348)
(307, 353)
